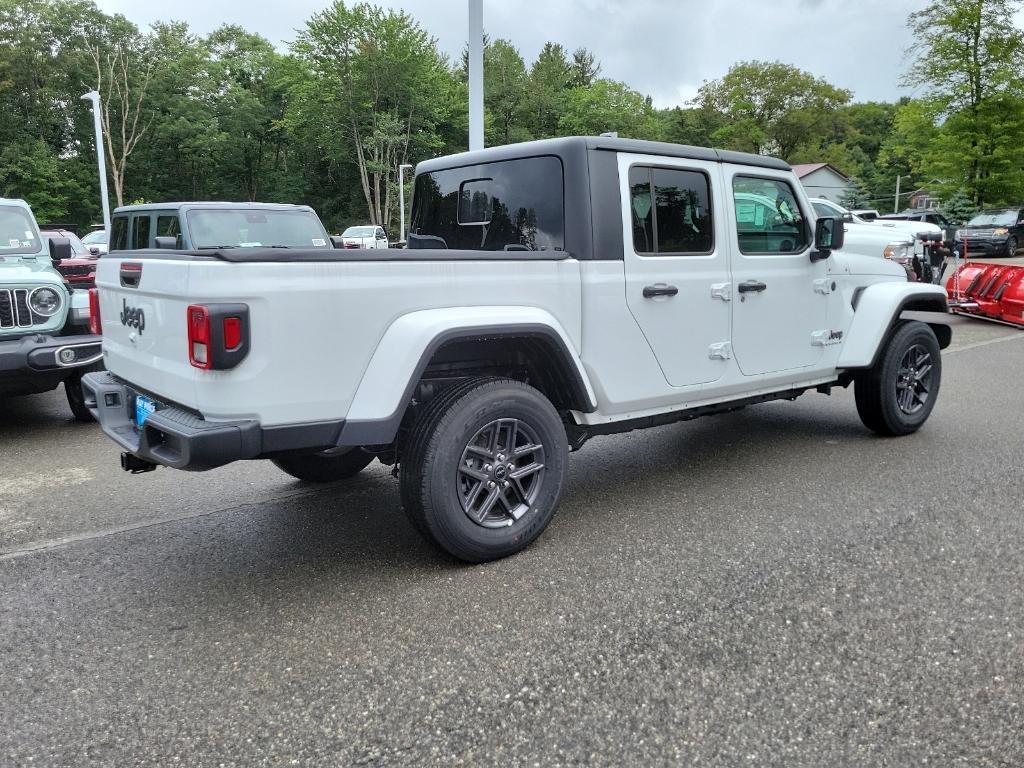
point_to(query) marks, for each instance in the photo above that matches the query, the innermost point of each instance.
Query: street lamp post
(401, 200)
(94, 97)
(476, 74)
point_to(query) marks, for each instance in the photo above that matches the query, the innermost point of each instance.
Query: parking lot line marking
(59, 543)
(974, 345)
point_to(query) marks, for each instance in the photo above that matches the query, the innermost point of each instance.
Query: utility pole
(896, 206)
(94, 97)
(401, 200)
(476, 74)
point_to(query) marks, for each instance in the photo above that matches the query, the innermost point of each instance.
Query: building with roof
(823, 180)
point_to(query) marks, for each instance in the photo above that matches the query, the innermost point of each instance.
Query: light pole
(94, 97)
(476, 74)
(401, 200)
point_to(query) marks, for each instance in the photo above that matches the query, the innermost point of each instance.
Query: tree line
(362, 90)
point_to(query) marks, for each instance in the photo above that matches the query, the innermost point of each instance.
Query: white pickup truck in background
(552, 291)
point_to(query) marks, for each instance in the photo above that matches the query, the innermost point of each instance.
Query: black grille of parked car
(77, 270)
(14, 309)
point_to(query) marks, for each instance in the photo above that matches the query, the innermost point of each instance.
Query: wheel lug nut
(501, 457)
(490, 484)
(488, 468)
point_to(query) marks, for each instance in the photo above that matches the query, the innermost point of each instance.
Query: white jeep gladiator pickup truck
(551, 291)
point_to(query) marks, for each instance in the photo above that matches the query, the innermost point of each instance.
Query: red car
(79, 271)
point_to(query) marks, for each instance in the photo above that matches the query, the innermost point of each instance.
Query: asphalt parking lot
(775, 586)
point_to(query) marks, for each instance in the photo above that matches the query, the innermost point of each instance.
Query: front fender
(877, 309)
(407, 346)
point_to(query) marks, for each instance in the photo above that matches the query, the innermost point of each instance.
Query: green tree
(549, 82)
(969, 72)
(771, 107)
(608, 105)
(370, 71)
(584, 69)
(505, 86)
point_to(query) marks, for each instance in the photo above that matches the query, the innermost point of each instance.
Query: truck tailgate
(143, 317)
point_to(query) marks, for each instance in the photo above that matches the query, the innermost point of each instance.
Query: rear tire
(897, 395)
(484, 469)
(326, 466)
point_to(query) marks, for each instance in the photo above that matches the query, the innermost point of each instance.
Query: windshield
(97, 237)
(223, 227)
(17, 232)
(77, 246)
(994, 219)
(824, 209)
(359, 232)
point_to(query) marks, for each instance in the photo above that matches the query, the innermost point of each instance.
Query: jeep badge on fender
(133, 317)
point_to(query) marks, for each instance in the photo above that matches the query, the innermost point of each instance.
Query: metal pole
(401, 201)
(896, 206)
(476, 74)
(94, 97)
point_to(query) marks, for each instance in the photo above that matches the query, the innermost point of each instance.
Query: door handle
(660, 289)
(752, 286)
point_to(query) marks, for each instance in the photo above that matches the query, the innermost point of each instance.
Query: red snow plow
(988, 291)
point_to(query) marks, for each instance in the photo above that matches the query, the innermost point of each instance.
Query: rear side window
(768, 218)
(513, 205)
(140, 232)
(119, 233)
(671, 211)
(169, 226)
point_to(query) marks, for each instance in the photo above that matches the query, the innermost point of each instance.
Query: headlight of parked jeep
(1000, 231)
(901, 253)
(45, 302)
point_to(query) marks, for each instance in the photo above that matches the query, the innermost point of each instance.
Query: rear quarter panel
(314, 325)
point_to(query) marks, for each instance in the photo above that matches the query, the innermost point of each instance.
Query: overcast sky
(664, 48)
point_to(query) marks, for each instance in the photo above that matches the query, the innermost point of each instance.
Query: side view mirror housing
(829, 235)
(848, 217)
(337, 241)
(166, 242)
(60, 249)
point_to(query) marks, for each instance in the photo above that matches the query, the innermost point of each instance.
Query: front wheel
(326, 466)
(1011, 246)
(897, 395)
(76, 398)
(484, 469)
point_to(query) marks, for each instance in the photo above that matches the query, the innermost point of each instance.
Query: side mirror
(829, 235)
(848, 217)
(337, 241)
(94, 250)
(60, 249)
(166, 242)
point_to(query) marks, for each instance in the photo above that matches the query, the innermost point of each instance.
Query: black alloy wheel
(501, 473)
(914, 380)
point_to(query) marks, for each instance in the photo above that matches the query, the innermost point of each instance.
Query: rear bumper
(175, 437)
(38, 363)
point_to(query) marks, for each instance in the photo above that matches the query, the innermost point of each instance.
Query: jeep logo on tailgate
(133, 317)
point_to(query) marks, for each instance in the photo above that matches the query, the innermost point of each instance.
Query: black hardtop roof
(572, 144)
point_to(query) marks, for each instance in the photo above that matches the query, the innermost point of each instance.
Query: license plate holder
(143, 408)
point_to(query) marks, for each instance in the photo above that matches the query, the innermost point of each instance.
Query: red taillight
(232, 333)
(199, 336)
(94, 311)
(218, 335)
